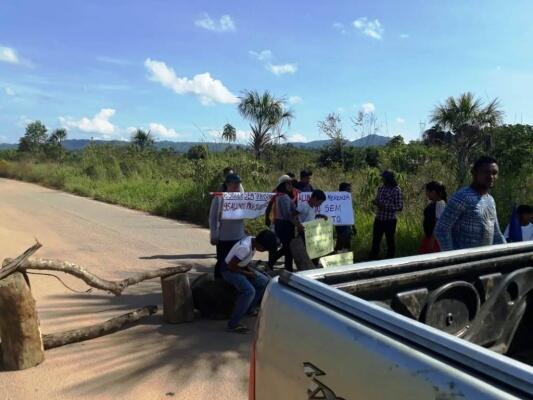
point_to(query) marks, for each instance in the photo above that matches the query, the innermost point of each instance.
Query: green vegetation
(178, 185)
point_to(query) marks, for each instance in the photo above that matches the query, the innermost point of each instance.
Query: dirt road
(149, 361)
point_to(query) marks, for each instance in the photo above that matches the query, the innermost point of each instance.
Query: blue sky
(101, 68)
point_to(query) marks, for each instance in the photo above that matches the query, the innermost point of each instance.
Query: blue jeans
(250, 292)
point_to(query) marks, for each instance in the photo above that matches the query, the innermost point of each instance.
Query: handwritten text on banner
(337, 207)
(249, 205)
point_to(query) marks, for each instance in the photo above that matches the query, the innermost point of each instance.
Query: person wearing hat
(224, 233)
(285, 218)
(225, 172)
(249, 283)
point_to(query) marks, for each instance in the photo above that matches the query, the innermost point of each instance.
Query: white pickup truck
(453, 325)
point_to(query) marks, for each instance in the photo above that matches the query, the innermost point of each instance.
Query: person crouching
(250, 284)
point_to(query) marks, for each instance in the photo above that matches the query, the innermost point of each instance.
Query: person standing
(345, 233)
(389, 202)
(305, 181)
(520, 229)
(284, 223)
(224, 233)
(250, 284)
(470, 218)
(225, 172)
(436, 194)
(307, 209)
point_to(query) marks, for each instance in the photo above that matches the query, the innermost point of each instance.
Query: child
(436, 194)
(249, 283)
(524, 214)
(344, 232)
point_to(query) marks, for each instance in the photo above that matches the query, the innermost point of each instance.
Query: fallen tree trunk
(90, 332)
(115, 287)
(19, 324)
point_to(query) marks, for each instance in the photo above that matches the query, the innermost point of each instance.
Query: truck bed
(443, 326)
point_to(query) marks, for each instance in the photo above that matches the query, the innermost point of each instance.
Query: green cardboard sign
(337, 259)
(318, 238)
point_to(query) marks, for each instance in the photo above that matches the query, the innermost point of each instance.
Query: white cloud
(207, 89)
(162, 131)
(9, 91)
(98, 124)
(400, 120)
(339, 27)
(9, 55)
(295, 100)
(404, 36)
(264, 55)
(372, 29)
(368, 108)
(282, 69)
(225, 23)
(296, 138)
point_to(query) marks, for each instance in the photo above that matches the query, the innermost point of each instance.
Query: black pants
(285, 232)
(387, 227)
(223, 248)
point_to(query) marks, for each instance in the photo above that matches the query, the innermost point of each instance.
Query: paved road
(149, 361)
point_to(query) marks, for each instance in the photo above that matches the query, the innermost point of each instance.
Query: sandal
(239, 329)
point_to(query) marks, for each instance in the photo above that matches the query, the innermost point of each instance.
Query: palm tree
(229, 133)
(142, 140)
(58, 136)
(267, 115)
(467, 118)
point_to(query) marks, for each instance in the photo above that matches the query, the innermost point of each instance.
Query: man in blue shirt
(470, 219)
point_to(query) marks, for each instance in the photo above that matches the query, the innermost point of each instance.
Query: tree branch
(90, 332)
(115, 287)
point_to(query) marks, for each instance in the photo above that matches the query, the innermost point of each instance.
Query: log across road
(149, 361)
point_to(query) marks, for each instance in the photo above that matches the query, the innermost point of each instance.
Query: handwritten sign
(337, 207)
(337, 259)
(318, 238)
(248, 205)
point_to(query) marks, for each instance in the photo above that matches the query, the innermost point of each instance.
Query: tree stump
(299, 253)
(177, 299)
(215, 299)
(22, 346)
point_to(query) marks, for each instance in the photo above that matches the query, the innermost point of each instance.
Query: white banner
(248, 205)
(337, 207)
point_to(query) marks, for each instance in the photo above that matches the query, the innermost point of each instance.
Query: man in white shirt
(307, 209)
(249, 283)
(525, 218)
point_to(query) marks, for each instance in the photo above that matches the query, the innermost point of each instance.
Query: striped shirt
(469, 220)
(390, 201)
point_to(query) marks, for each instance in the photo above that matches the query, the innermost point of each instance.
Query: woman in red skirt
(436, 194)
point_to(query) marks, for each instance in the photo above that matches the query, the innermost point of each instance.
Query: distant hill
(182, 147)
(367, 141)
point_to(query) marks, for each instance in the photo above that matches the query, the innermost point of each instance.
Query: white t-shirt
(527, 232)
(306, 213)
(243, 251)
(439, 208)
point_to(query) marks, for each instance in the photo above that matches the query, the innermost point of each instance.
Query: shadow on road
(179, 257)
(176, 356)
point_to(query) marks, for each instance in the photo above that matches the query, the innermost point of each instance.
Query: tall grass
(171, 185)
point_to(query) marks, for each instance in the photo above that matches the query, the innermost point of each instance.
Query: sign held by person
(337, 207)
(318, 238)
(248, 205)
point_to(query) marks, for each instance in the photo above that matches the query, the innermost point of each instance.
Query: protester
(250, 284)
(470, 218)
(294, 180)
(284, 222)
(307, 209)
(224, 233)
(437, 196)
(225, 172)
(520, 228)
(345, 233)
(389, 202)
(305, 181)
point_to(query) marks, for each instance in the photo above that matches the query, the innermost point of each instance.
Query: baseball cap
(284, 179)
